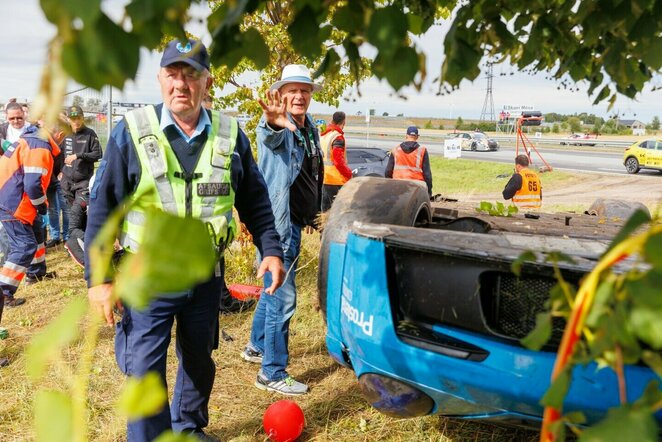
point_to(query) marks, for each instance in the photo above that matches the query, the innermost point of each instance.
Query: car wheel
(473, 146)
(632, 165)
(374, 200)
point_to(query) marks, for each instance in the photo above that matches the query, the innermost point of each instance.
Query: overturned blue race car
(420, 301)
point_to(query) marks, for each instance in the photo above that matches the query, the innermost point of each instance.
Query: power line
(487, 114)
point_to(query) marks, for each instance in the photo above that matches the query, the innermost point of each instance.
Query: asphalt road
(579, 159)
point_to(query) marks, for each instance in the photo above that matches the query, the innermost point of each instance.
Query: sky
(26, 34)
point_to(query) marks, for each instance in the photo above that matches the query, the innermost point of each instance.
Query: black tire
(374, 200)
(632, 165)
(473, 146)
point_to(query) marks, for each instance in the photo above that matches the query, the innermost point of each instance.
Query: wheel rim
(632, 165)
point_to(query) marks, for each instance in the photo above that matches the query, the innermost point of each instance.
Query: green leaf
(142, 397)
(102, 53)
(653, 250)
(516, 266)
(349, 18)
(59, 12)
(653, 360)
(387, 31)
(557, 257)
(58, 333)
(625, 423)
(330, 64)
(485, 206)
(151, 19)
(305, 33)
(403, 68)
(575, 417)
(102, 249)
(415, 23)
(255, 49)
(602, 296)
(158, 267)
(557, 391)
(540, 334)
(53, 416)
(512, 210)
(647, 325)
(638, 218)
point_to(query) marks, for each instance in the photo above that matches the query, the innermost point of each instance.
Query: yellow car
(645, 154)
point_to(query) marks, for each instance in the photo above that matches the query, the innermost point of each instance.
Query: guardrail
(439, 136)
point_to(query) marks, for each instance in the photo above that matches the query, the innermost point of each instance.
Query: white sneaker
(288, 386)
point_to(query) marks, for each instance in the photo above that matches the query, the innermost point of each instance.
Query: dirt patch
(583, 189)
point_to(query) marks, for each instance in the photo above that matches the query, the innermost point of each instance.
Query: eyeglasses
(15, 118)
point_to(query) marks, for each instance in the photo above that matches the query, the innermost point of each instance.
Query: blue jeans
(271, 323)
(57, 207)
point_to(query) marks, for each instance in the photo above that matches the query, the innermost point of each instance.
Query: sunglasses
(15, 118)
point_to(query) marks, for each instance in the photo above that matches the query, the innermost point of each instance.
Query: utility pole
(487, 114)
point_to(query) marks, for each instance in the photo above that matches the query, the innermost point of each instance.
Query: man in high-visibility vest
(410, 161)
(336, 171)
(524, 187)
(190, 162)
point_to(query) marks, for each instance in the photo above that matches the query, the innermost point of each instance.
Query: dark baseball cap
(74, 111)
(192, 52)
(412, 130)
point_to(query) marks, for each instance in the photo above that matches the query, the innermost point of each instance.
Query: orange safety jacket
(529, 196)
(332, 175)
(25, 173)
(408, 166)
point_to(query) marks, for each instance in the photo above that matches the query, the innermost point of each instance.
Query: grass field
(459, 179)
(334, 409)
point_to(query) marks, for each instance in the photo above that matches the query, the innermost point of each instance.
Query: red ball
(283, 421)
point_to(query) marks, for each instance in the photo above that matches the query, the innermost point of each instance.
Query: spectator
(289, 157)
(15, 125)
(81, 150)
(410, 161)
(57, 207)
(336, 171)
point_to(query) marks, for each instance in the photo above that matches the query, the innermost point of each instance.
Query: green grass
(335, 409)
(460, 177)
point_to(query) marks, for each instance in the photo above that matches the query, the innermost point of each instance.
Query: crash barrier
(396, 134)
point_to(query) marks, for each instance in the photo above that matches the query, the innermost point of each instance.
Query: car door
(655, 155)
(644, 154)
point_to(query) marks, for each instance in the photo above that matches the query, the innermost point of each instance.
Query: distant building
(638, 128)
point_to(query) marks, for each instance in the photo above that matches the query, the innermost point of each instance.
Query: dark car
(367, 161)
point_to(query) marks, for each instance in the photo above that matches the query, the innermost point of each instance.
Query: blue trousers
(271, 322)
(141, 344)
(57, 210)
(27, 252)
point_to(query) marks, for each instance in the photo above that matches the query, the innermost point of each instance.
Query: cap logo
(183, 49)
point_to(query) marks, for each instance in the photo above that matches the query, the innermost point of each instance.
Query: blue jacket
(119, 173)
(279, 159)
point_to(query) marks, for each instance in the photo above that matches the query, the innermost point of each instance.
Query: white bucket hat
(295, 73)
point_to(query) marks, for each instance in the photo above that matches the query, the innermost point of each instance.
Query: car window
(658, 145)
(644, 144)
